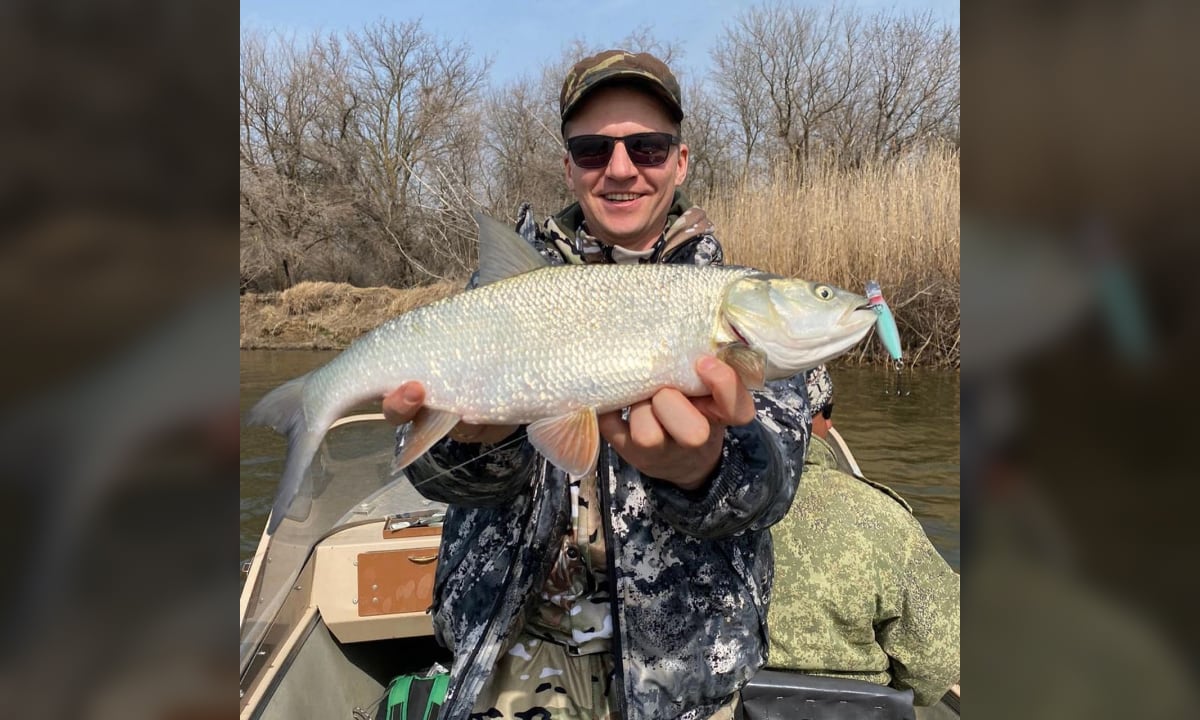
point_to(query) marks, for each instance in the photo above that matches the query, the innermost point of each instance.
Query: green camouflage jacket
(860, 592)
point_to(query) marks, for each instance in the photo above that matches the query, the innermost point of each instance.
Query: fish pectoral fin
(750, 365)
(570, 442)
(426, 428)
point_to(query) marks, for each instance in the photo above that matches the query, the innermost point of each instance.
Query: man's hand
(402, 405)
(676, 438)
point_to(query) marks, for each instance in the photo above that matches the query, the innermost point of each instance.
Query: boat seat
(781, 695)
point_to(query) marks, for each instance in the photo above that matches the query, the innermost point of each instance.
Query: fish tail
(283, 410)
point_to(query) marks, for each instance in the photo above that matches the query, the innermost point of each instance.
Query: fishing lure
(885, 326)
(885, 323)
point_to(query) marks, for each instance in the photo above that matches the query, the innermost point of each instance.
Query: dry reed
(896, 223)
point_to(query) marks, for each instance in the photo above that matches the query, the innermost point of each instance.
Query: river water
(908, 442)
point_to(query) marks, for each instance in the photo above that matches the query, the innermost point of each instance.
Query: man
(860, 592)
(640, 590)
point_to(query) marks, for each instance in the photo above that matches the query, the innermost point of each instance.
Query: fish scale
(541, 344)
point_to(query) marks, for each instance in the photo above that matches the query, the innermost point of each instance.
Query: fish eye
(824, 292)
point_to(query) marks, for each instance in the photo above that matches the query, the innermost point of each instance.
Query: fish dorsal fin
(750, 365)
(427, 428)
(570, 442)
(502, 252)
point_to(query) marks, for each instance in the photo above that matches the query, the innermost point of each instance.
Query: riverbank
(326, 315)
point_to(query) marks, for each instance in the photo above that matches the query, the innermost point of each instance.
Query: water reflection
(909, 443)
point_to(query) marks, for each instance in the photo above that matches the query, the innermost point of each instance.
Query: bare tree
(913, 90)
(418, 95)
(524, 148)
(360, 156)
(713, 159)
(289, 202)
(843, 129)
(800, 83)
(742, 98)
(791, 62)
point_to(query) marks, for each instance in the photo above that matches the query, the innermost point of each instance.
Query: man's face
(625, 204)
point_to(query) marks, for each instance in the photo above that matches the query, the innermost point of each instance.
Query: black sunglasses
(644, 149)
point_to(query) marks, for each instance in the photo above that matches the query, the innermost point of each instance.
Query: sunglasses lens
(648, 149)
(591, 151)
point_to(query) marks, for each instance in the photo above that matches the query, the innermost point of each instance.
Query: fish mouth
(736, 333)
(867, 318)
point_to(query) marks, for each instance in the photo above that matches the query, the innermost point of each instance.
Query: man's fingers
(644, 428)
(614, 430)
(651, 445)
(686, 425)
(401, 405)
(641, 433)
(707, 407)
(731, 401)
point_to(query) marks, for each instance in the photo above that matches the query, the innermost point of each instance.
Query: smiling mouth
(620, 197)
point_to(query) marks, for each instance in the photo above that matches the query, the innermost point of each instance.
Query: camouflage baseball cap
(613, 65)
(820, 388)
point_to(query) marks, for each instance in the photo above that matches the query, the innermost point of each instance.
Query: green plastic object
(416, 697)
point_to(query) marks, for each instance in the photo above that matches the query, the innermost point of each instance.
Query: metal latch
(417, 518)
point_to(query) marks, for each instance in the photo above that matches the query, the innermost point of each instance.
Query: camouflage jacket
(689, 573)
(860, 590)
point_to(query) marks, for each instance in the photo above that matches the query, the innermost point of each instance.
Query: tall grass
(896, 223)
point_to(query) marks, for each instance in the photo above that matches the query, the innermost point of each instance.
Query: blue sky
(520, 35)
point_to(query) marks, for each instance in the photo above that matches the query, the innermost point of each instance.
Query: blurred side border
(1078, 249)
(119, 421)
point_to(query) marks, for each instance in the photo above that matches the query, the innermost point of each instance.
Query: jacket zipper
(614, 605)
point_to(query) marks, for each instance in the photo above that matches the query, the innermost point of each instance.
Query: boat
(333, 605)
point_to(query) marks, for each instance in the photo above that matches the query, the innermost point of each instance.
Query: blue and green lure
(885, 326)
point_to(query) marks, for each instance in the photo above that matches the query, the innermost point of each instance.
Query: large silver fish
(552, 346)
